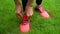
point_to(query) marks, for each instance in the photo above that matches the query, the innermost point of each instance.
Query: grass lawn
(9, 23)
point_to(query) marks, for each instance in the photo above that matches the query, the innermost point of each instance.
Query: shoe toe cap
(24, 28)
(44, 15)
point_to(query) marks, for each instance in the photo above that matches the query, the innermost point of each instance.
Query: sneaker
(24, 26)
(42, 12)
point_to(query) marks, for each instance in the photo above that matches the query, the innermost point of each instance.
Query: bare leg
(29, 8)
(18, 9)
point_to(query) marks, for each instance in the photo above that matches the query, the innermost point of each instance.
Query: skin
(18, 9)
(28, 9)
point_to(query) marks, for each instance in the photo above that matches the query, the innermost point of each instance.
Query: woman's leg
(18, 9)
(38, 2)
(29, 8)
(24, 2)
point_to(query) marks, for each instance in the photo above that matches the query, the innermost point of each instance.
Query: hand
(18, 12)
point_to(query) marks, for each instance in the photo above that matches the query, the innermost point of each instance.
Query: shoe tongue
(25, 22)
(25, 18)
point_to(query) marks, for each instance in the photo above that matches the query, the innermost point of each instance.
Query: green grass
(9, 23)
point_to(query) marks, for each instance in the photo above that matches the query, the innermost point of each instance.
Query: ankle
(38, 5)
(25, 18)
(40, 8)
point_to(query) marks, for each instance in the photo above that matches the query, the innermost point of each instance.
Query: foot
(24, 26)
(42, 12)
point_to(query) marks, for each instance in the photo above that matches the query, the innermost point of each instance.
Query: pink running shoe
(42, 12)
(24, 26)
